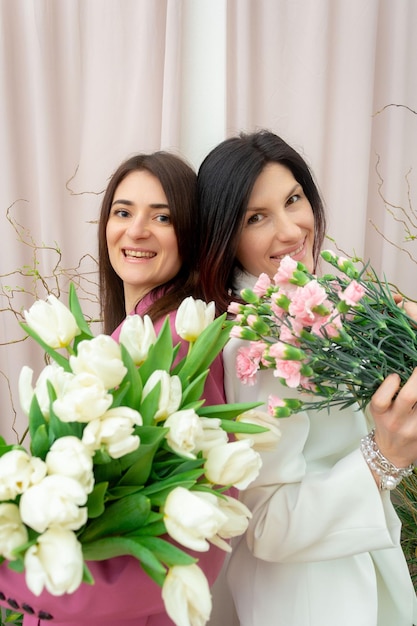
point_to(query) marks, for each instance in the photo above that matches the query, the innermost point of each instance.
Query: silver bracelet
(389, 475)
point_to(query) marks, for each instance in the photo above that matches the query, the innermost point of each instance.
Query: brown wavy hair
(178, 181)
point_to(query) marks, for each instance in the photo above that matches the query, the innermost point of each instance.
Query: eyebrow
(295, 188)
(154, 205)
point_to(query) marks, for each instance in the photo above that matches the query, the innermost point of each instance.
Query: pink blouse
(122, 595)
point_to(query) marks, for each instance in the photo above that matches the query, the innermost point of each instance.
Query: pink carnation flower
(277, 311)
(234, 308)
(274, 401)
(248, 359)
(289, 371)
(262, 284)
(278, 350)
(307, 384)
(353, 293)
(236, 332)
(285, 271)
(286, 335)
(305, 299)
(245, 368)
(329, 326)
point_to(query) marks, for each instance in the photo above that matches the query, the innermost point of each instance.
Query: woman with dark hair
(147, 257)
(323, 545)
(225, 182)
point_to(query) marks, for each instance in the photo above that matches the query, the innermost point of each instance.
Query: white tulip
(238, 516)
(185, 429)
(113, 432)
(83, 398)
(193, 316)
(54, 563)
(102, 357)
(52, 321)
(170, 393)
(137, 335)
(25, 389)
(234, 463)
(265, 441)
(18, 471)
(212, 435)
(53, 373)
(186, 595)
(68, 456)
(54, 501)
(12, 531)
(192, 518)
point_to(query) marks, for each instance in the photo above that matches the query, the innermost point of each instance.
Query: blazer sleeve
(315, 498)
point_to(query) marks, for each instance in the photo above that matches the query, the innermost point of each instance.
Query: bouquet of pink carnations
(334, 337)
(123, 451)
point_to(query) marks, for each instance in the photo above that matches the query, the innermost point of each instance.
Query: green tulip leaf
(40, 445)
(36, 417)
(227, 411)
(150, 405)
(118, 518)
(17, 565)
(56, 356)
(242, 427)
(157, 577)
(204, 350)
(4, 447)
(87, 576)
(134, 391)
(166, 552)
(137, 471)
(110, 547)
(96, 500)
(152, 529)
(75, 308)
(194, 391)
(161, 354)
(119, 393)
(117, 492)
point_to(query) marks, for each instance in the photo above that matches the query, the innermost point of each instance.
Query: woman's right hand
(394, 411)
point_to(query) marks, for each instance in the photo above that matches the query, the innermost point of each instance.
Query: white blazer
(323, 546)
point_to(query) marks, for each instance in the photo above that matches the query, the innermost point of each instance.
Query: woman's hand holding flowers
(394, 410)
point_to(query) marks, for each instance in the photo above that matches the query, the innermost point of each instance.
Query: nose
(286, 230)
(138, 227)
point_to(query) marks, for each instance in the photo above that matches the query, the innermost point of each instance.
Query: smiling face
(141, 240)
(279, 221)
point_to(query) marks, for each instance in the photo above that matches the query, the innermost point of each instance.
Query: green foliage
(10, 617)
(405, 502)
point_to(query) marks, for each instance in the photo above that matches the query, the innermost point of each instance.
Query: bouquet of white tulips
(123, 451)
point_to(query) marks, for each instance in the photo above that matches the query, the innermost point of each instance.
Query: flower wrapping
(123, 455)
(334, 338)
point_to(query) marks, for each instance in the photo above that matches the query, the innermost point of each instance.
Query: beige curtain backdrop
(86, 83)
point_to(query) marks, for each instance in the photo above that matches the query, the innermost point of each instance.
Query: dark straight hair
(224, 184)
(178, 181)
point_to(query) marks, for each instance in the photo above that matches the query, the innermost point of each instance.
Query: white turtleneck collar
(243, 280)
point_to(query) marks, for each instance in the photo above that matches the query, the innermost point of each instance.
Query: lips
(279, 257)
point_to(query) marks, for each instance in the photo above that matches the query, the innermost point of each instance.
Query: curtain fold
(86, 83)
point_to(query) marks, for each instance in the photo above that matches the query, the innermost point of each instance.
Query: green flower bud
(249, 296)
